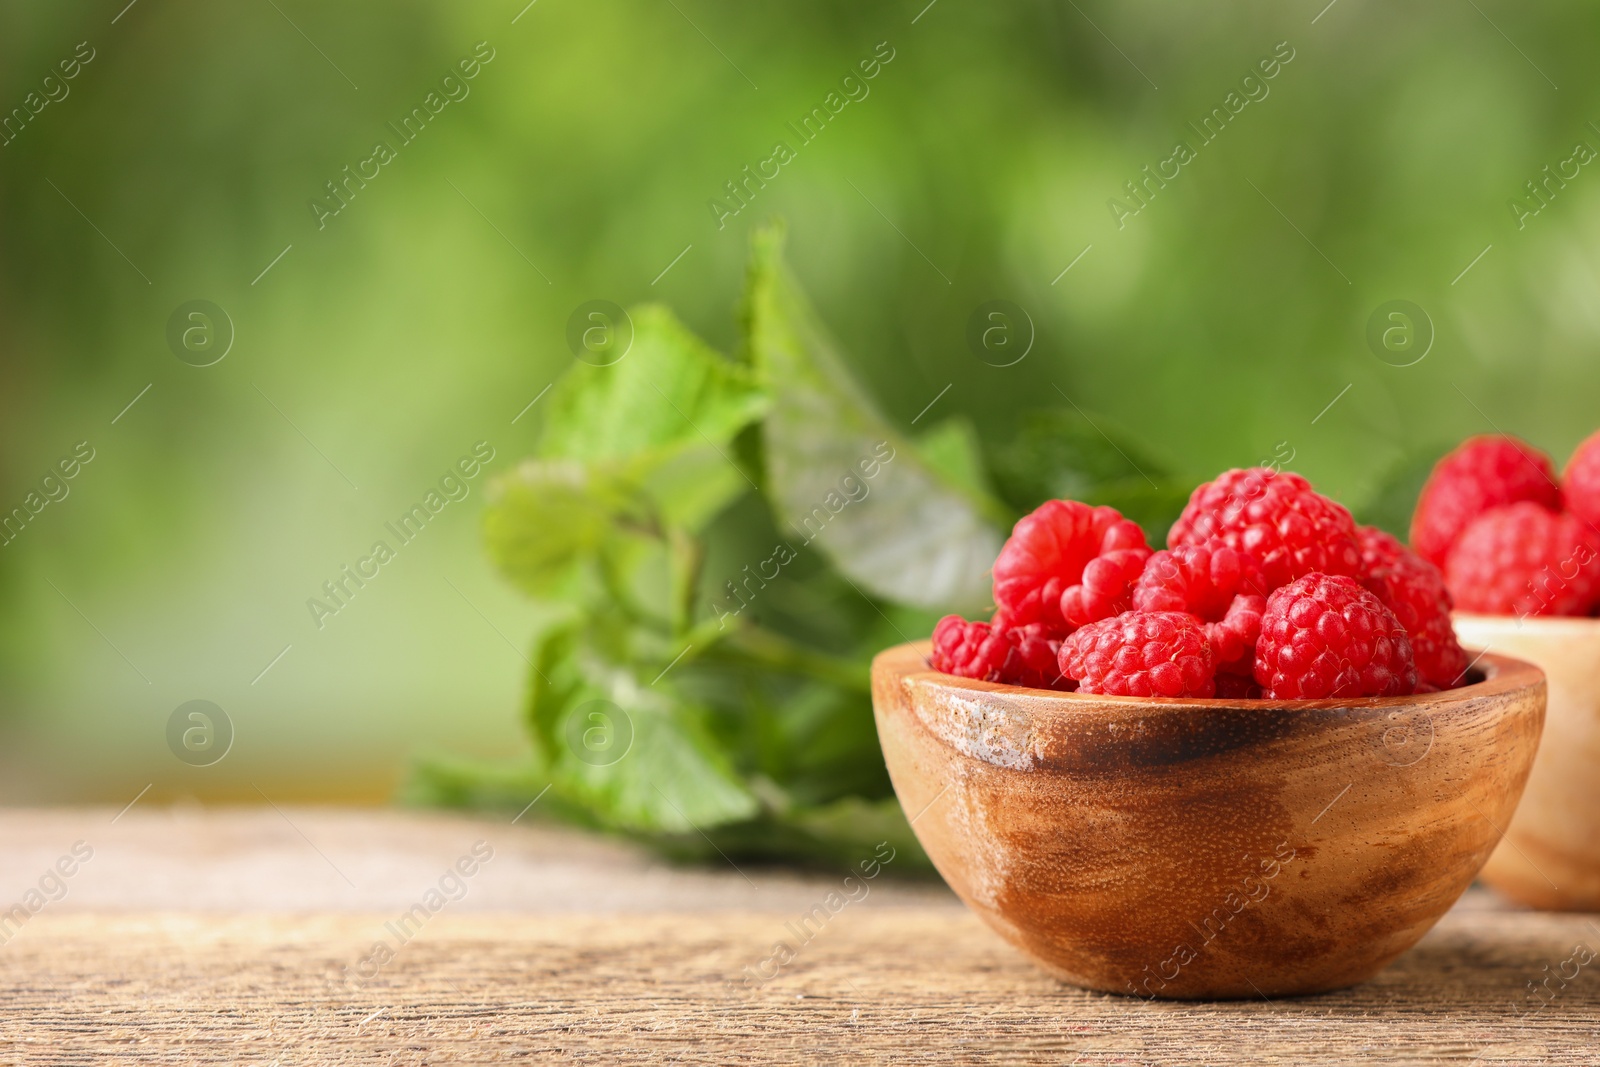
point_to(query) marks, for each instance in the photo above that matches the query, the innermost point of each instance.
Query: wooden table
(244, 936)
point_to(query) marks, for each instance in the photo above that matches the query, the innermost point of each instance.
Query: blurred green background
(1214, 327)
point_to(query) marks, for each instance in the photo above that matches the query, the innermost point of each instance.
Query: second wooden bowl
(1206, 848)
(1551, 855)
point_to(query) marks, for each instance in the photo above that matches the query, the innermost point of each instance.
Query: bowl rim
(1503, 674)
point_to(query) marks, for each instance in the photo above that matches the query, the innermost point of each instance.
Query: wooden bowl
(1206, 848)
(1551, 855)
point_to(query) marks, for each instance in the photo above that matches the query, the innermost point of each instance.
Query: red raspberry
(1018, 656)
(1233, 639)
(1275, 517)
(1379, 547)
(970, 649)
(1222, 587)
(1048, 556)
(1580, 485)
(1107, 586)
(1524, 559)
(1414, 590)
(1199, 579)
(1325, 636)
(1482, 473)
(1141, 654)
(1034, 664)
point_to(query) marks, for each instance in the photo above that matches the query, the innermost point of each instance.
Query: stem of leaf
(620, 598)
(687, 556)
(753, 646)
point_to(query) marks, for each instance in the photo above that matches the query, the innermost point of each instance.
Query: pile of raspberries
(1268, 589)
(1509, 537)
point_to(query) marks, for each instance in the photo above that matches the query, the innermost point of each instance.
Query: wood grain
(892, 986)
(616, 959)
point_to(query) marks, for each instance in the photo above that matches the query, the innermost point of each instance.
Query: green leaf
(839, 475)
(637, 756)
(1063, 454)
(663, 419)
(869, 837)
(669, 390)
(830, 745)
(672, 780)
(846, 832)
(952, 448)
(546, 516)
(633, 449)
(689, 485)
(1395, 498)
(1154, 508)
(444, 780)
(854, 825)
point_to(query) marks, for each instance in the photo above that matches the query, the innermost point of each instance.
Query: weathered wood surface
(232, 938)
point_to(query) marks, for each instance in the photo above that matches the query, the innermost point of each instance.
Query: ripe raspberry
(1141, 654)
(1414, 590)
(1018, 656)
(1221, 587)
(1233, 639)
(1200, 579)
(1275, 517)
(1048, 554)
(1524, 559)
(1325, 636)
(1379, 547)
(1482, 473)
(1107, 586)
(1580, 485)
(1034, 663)
(970, 649)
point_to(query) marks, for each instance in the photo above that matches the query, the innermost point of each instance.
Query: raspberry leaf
(634, 452)
(1063, 454)
(952, 448)
(838, 475)
(665, 415)
(670, 389)
(638, 757)
(546, 517)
